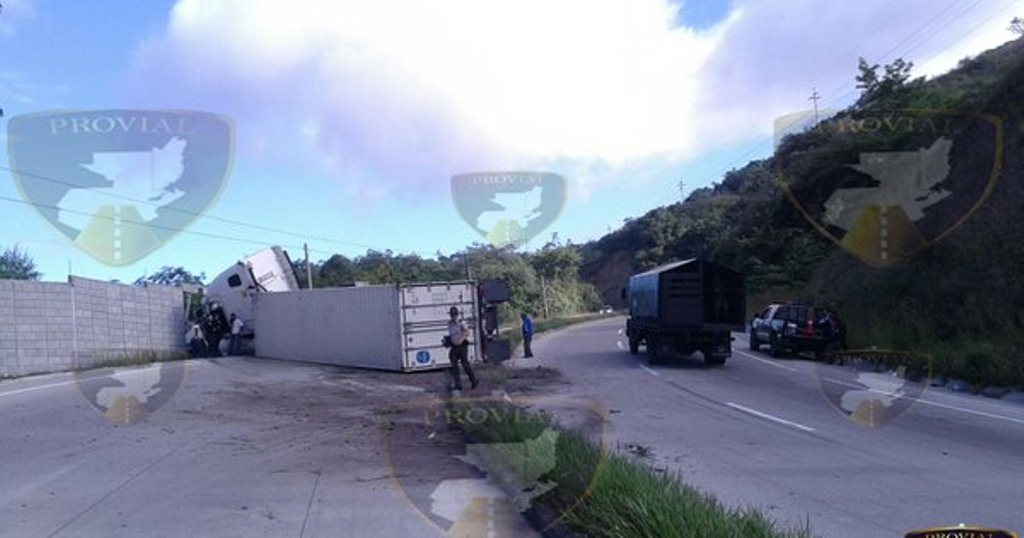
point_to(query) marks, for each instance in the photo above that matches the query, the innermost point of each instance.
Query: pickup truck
(797, 328)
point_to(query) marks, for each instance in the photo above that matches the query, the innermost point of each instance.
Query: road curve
(760, 432)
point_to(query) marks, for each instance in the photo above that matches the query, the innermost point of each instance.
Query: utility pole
(814, 97)
(309, 270)
(465, 259)
(682, 191)
(544, 294)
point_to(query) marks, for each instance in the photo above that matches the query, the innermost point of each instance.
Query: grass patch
(514, 333)
(135, 358)
(497, 375)
(595, 493)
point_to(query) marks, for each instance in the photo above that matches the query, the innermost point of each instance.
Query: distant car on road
(797, 328)
(606, 309)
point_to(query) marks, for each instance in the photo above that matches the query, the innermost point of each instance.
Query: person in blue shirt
(527, 334)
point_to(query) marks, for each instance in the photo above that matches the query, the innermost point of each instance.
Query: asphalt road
(761, 432)
(241, 447)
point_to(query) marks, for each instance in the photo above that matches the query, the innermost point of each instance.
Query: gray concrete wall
(55, 326)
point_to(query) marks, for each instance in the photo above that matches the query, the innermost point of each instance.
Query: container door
(425, 322)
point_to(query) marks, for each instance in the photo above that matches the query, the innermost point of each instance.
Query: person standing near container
(458, 351)
(236, 333)
(527, 335)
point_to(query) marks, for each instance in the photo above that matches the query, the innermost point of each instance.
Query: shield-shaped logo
(120, 183)
(128, 395)
(473, 466)
(871, 387)
(887, 185)
(509, 208)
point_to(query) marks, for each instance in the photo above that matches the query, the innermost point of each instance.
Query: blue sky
(350, 120)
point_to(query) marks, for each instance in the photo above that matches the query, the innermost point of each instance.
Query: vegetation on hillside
(958, 300)
(545, 280)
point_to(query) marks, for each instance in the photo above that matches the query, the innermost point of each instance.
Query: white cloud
(13, 13)
(415, 91)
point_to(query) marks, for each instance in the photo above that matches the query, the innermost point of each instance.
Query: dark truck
(686, 306)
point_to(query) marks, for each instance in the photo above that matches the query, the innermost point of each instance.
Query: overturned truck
(683, 307)
(387, 327)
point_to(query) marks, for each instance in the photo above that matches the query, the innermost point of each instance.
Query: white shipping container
(383, 327)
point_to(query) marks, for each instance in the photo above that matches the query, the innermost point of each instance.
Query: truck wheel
(652, 350)
(634, 346)
(754, 343)
(714, 360)
(773, 347)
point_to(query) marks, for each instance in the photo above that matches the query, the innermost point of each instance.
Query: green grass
(514, 333)
(609, 495)
(137, 358)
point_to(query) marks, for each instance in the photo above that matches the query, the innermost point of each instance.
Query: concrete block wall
(55, 326)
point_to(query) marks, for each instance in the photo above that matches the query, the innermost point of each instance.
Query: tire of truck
(831, 353)
(634, 346)
(652, 349)
(773, 347)
(755, 344)
(712, 360)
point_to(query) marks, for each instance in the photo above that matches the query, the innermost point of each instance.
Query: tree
(1017, 26)
(874, 87)
(555, 261)
(16, 264)
(172, 276)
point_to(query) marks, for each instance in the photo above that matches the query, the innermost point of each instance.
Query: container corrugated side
(357, 326)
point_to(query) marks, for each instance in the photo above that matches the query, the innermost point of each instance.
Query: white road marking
(649, 370)
(772, 418)
(619, 344)
(765, 361)
(72, 381)
(30, 389)
(621, 331)
(929, 402)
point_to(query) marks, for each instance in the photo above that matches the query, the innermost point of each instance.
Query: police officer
(458, 338)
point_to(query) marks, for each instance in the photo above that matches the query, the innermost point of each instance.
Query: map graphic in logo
(509, 208)
(120, 183)
(473, 466)
(863, 387)
(886, 185)
(128, 395)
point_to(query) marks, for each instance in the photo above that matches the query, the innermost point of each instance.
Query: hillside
(957, 299)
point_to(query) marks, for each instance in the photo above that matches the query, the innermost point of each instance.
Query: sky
(351, 117)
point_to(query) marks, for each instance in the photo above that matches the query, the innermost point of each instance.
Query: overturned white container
(383, 327)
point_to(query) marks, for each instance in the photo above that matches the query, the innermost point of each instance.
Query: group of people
(202, 345)
(458, 347)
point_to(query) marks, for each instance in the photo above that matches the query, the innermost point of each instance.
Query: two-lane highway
(761, 432)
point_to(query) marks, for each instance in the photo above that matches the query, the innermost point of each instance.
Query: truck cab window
(234, 281)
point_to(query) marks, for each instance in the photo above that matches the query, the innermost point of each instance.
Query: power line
(745, 157)
(197, 214)
(149, 225)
